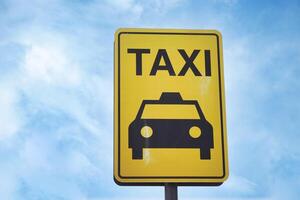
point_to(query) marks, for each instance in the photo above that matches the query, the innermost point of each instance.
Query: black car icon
(156, 127)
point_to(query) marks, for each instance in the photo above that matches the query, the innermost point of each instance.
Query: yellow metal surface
(161, 165)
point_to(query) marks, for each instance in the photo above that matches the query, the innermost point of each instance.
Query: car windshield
(170, 111)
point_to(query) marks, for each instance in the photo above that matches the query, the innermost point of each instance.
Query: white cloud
(238, 184)
(10, 118)
(163, 6)
(127, 5)
(49, 84)
(52, 79)
(49, 64)
(47, 59)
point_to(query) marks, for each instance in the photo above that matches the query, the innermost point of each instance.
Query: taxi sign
(169, 107)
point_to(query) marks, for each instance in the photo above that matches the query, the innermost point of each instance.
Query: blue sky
(56, 99)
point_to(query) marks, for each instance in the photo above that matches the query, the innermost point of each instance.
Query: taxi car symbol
(156, 127)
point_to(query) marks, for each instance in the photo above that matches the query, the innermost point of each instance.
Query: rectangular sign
(169, 107)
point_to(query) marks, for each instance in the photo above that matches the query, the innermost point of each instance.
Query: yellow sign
(169, 121)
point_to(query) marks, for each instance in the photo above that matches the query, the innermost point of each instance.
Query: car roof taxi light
(170, 97)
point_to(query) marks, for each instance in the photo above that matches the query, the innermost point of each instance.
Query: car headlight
(195, 132)
(146, 131)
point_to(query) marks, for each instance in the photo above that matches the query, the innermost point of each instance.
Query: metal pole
(171, 191)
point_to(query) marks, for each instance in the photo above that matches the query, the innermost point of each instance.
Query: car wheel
(205, 154)
(137, 153)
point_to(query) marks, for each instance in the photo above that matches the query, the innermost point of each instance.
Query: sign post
(171, 192)
(169, 108)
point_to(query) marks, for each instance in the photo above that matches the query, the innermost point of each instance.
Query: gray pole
(171, 191)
